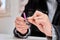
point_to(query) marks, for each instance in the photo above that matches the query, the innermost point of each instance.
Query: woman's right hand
(21, 25)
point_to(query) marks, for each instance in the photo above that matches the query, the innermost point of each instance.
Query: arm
(19, 35)
(28, 10)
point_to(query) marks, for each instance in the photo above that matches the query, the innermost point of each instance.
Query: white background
(7, 23)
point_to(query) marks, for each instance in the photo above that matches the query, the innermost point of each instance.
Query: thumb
(31, 20)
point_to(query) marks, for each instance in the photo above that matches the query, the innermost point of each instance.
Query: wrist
(23, 34)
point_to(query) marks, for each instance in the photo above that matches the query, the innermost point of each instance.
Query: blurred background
(9, 10)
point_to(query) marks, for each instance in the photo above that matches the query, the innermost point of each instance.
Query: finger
(40, 27)
(23, 31)
(31, 20)
(48, 32)
(38, 18)
(48, 29)
(37, 13)
(20, 18)
(20, 22)
(21, 27)
(43, 27)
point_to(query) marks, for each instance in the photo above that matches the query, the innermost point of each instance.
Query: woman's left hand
(42, 22)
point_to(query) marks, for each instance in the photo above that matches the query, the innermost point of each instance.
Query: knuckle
(45, 15)
(19, 18)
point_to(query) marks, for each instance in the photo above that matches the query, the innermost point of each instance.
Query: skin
(21, 25)
(39, 19)
(19, 22)
(42, 22)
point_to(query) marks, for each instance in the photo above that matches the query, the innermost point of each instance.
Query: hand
(21, 25)
(42, 22)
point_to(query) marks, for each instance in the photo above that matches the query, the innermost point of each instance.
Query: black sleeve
(19, 35)
(30, 8)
